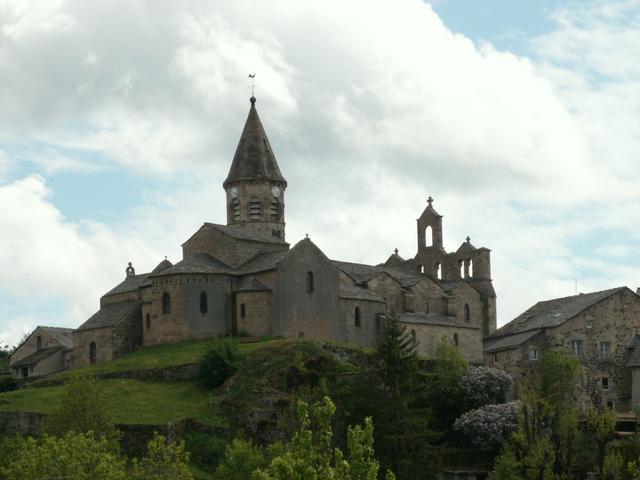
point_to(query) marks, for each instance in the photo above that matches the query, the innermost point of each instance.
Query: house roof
(130, 284)
(551, 313)
(254, 158)
(109, 315)
(509, 342)
(434, 319)
(197, 263)
(61, 335)
(36, 357)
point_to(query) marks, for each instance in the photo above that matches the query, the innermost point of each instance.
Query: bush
(485, 386)
(8, 384)
(488, 427)
(218, 363)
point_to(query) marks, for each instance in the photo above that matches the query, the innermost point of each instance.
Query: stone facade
(46, 350)
(599, 328)
(242, 277)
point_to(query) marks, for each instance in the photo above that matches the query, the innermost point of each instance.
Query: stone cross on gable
(468, 239)
(430, 200)
(395, 251)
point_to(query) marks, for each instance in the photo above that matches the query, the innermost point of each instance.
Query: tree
(484, 386)
(164, 460)
(83, 408)
(241, 459)
(75, 456)
(602, 425)
(489, 426)
(218, 363)
(310, 453)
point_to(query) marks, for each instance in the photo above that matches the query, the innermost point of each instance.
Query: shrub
(218, 363)
(8, 384)
(485, 386)
(487, 427)
(165, 460)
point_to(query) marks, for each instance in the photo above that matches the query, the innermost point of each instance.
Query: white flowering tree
(488, 427)
(484, 386)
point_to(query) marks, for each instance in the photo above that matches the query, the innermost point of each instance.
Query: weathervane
(252, 76)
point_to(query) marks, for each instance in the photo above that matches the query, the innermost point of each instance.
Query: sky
(119, 120)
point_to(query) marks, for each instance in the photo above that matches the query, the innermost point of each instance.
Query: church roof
(434, 319)
(130, 284)
(240, 233)
(254, 158)
(109, 315)
(551, 313)
(263, 262)
(163, 265)
(253, 285)
(358, 293)
(61, 335)
(197, 263)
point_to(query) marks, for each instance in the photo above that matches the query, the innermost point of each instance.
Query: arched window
(455, 339)
(148, 321)
(356, 317)
(166, 303)
(243, 310)
(467, 313)
(461, 263)
(310, 282)
(470, 268)
(427, 307)
(438, 271)
(428, 237)
(275, 209)
(204, 306)
(235, 209)
(255, 209)
(92, 352)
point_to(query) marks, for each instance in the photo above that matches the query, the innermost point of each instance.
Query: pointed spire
(254, 158)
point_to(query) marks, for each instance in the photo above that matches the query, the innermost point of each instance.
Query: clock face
(275, 191)
(234, 192)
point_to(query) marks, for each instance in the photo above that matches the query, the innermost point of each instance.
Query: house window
(455, 339)
(605, 383)
(605, 349)
(356, 316)
(611, 404)
(204, 305)
(576, 347)
(427, 308)
(467, 313)
(533, 354)
(584, 406)
(255, 209)
(166, 303)
(92, 352)
(495, 358)
(310, 285)
(243, 310)
(39, 342)
(25, 372)
(148, 321)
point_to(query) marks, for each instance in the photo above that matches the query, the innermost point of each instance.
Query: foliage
(559, 372)
(396, 358)
(507, 467)
(602, 425)
(82, 408)
(8, 384)
(484, 386)
(613, 466)
(218, 363)
(241, 459)
(449, 362)
(310, 453)
(488, 427)
(164, 461)
(75, 456)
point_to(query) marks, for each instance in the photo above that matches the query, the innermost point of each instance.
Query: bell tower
(255, 187)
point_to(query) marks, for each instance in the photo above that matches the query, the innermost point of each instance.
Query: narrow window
(414, 337)
(427, 308)
(428, 237)
(255, 209)
(461, 266)
(204, 305)
(495, 358)
(235, 209)
(39, 342)
(471, 268)
(605, 349)
(585, 407)
(25, 372)
(275, 209)
(455, 339)
(576, 347)
(310, 282)
(533, 354)
(92, 352)
(378, 322)
(148, 321)
(467, 313)
(243, 310)
(356, 317)
(438, 271)
(605, 383)
(611, 404)
(166, 303)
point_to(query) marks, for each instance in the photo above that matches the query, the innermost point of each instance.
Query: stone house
(46, 350)
(600, 328)
(243, 277)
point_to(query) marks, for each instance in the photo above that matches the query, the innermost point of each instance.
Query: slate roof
(62, 335)
(36, 357)
(357, 293)
(240, 233)
(197, 263)
(163, 265)
(254, 158)
(362, 272)
(130, 284)
(109, 315)
(509, 342)
(551, 313)
(253, 285)
(263, 262)
(434, 319)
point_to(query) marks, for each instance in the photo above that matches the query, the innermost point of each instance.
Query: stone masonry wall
(368, 332)
(103, 338)
(258, 313)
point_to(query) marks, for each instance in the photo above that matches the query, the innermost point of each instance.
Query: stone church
(244, 278)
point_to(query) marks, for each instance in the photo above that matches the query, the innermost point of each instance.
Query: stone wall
(367, 333)
(102, 337)
(53, 363)
(127, 334)
(22, 423)
(258, 313)
(429, 336)
(30, 345)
